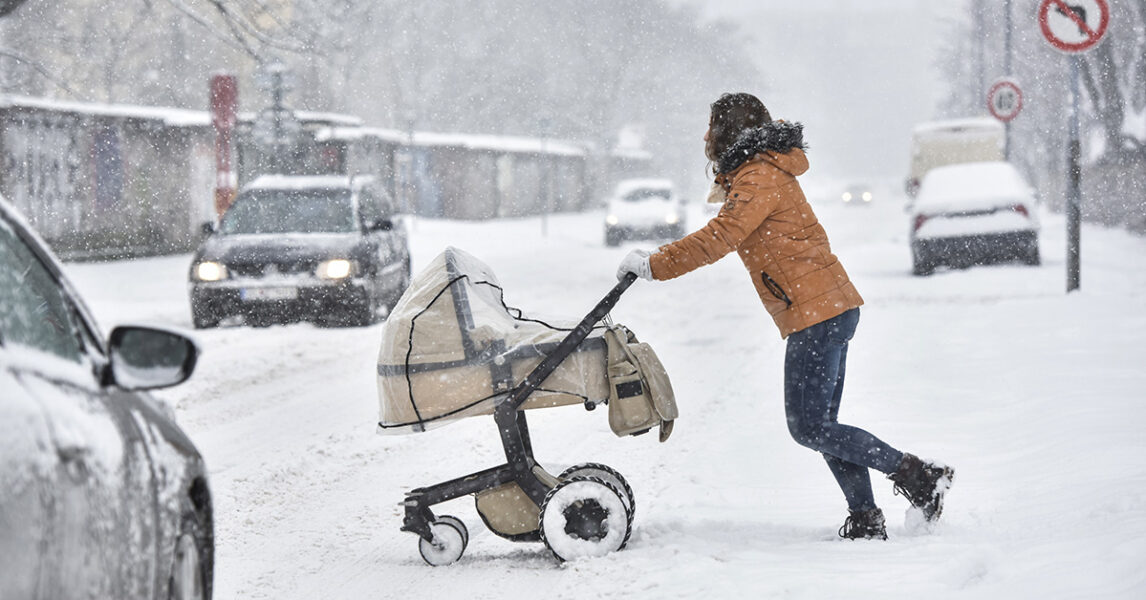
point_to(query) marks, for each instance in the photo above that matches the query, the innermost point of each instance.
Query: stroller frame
(514, 431)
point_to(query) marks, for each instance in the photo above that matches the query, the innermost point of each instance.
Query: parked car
(644, 209)
(973, 213)
(319, 248)
(102, 495)
(857, 194)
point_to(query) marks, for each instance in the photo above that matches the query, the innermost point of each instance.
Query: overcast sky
(858, 74)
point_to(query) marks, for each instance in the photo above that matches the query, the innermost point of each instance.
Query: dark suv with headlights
(318, 248)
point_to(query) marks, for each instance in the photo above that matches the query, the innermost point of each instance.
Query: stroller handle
(574, 338)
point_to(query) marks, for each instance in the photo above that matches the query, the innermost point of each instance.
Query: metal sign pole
(1073, 28)
(1074, 185)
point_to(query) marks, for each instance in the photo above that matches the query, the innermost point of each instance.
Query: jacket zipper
(775, 288)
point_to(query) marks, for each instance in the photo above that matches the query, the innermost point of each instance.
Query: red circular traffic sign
(1005, 99)
(1074, 26)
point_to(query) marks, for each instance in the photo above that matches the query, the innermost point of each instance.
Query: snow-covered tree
(1113, 101)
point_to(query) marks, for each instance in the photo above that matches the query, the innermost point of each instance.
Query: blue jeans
(813, 385)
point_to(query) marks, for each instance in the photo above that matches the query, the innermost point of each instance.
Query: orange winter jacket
(767, 220)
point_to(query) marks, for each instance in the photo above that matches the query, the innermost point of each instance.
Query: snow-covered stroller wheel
(456, 522)
(448, 544)
(608, 475)
(584, 517)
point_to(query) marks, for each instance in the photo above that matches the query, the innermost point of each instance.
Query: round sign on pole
(1075, 25)
(1005, 100)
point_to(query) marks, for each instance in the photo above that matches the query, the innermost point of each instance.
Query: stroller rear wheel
(608, 475)
(584, 517)
(450, 539)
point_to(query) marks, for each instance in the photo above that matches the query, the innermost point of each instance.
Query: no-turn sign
(1074, 25)
(1005, 99)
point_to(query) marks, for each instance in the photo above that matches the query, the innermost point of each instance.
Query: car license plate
(268, 293)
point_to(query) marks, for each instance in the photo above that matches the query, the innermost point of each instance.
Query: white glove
(636, 262)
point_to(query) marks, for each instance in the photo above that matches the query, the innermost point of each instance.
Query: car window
(646, 194)
(33, 309)
(290, 211)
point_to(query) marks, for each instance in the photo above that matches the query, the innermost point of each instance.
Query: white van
(939, 143)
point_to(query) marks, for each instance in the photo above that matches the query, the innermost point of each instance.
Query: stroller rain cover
(451, 348)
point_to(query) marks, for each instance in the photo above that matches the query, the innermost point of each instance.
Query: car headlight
(867, 196)
(338, 268)
(612, 220)
(847, 196)
(210, 270)
(672, 218)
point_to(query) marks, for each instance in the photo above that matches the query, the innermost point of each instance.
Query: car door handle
(73, 461)
(73, 454)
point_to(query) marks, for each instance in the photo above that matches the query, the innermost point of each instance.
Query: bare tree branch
(43, 72)
(240, 24)
(234, 41)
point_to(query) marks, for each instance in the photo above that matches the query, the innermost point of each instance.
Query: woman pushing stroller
(767, 220)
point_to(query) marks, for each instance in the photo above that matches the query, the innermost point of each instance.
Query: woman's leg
(814, 368)
(854, 480)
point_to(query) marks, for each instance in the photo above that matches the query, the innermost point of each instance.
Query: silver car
(973, 214)
(101, 494)
(646, 208)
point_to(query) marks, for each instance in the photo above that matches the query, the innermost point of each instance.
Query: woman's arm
(753, 197)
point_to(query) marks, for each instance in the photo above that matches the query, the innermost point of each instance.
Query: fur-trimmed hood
(778, 136)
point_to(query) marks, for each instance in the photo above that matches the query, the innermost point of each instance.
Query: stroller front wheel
(450, 538)
(457, 523)
(584, 517)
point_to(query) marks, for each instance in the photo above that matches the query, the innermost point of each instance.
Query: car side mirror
(207, 227)
(382, 224)
(146, 358)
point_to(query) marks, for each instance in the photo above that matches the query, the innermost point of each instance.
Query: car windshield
(290, 211)
(646, 194)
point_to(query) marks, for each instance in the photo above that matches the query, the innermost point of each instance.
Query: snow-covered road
(1036, 397)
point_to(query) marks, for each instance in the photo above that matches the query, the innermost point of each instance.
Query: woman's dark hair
(732, 114)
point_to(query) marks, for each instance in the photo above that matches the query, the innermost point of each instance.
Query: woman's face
(708, 151)
(708, 143)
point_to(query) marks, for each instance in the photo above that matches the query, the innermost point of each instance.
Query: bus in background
(939, 143)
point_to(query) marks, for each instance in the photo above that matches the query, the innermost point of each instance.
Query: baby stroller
(451, 348)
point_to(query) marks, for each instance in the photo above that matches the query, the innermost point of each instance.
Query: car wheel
(921, 263)
(359, 315)
(613, 237)
(191, 562)
(203, 320)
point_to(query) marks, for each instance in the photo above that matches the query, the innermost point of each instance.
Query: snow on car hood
(279, 246)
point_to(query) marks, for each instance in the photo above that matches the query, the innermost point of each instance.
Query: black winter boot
(864, 525)
(923, 484)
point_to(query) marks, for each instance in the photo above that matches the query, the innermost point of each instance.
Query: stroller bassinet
(452, 348)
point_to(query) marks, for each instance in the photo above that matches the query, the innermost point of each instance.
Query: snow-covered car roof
(628, 185)
(976, 183)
